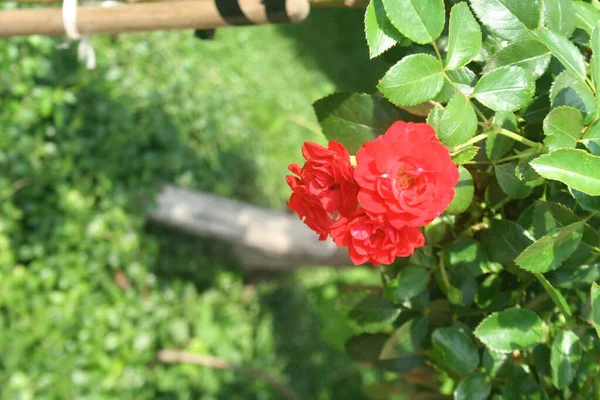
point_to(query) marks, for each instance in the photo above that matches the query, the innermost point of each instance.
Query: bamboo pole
(185, 14)
(314, 3)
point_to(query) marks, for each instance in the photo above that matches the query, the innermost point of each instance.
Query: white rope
(85, 50)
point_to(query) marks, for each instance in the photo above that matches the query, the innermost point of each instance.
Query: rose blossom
(372, 239)
(406, 175)
(324, 186)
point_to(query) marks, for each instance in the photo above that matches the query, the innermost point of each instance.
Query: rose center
(404, 180)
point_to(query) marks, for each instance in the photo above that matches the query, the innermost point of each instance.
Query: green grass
(82, 153)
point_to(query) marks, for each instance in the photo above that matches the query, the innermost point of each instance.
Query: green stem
(439, 56)
(518, 138)
(443, 271)
(592, 215)
(473, 140)
(517, 156)
(590, 84)
(437, 50)
(477, 110)
(479, 113)
(502, 203)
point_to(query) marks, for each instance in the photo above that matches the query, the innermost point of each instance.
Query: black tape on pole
(276, 11)
(232, 13)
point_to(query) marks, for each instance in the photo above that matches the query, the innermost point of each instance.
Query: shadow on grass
(314, 367)
(333, 39)
(120, 155)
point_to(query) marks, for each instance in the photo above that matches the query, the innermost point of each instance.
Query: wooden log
(185, 14)
(263, 239)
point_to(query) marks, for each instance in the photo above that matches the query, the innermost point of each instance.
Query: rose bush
(476, 186)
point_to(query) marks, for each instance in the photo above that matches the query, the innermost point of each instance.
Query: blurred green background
(89, 290)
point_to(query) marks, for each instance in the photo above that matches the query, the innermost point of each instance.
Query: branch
(180, 356)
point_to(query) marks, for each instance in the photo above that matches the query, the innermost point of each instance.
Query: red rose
(325, 186)
(406, 175)
(374, 240)
(308, 208)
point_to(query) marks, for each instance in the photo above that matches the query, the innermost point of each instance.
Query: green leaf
(548, 216)
(591, 139)
(467, 252)
(528, 54)
(348, 300)
(587, 202)
(353, 118)
(365, 348)
(564, 50)
(535, 113)
(473, 387)
(509, 330)
(462, 78)
(400, 351)
(435, 117)
(555, 295)
(575, 168)
(595, 298)
(403, 364)
(505, 240)
(413, 80)
(464, 192)
(567, 90)
(525, 172)
(575, 276)
(498, 145)
(507, 19)
(410, 282)
(586, 16)
(548, 253)
(487, 290)
(458, 123)
(407, 339)
(595, 60)
(559, 16)
(562, 127)
(505, 89)
(457, 348)
(373, 312)
(464, 38)
(564, 358)
(437, 230)
(381, 34)
(465, 155)
(508, 181)
(422, 21)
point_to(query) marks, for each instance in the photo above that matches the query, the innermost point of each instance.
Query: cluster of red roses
(403, 180)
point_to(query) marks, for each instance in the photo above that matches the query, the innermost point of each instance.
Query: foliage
(89, 291)
(502, 301)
